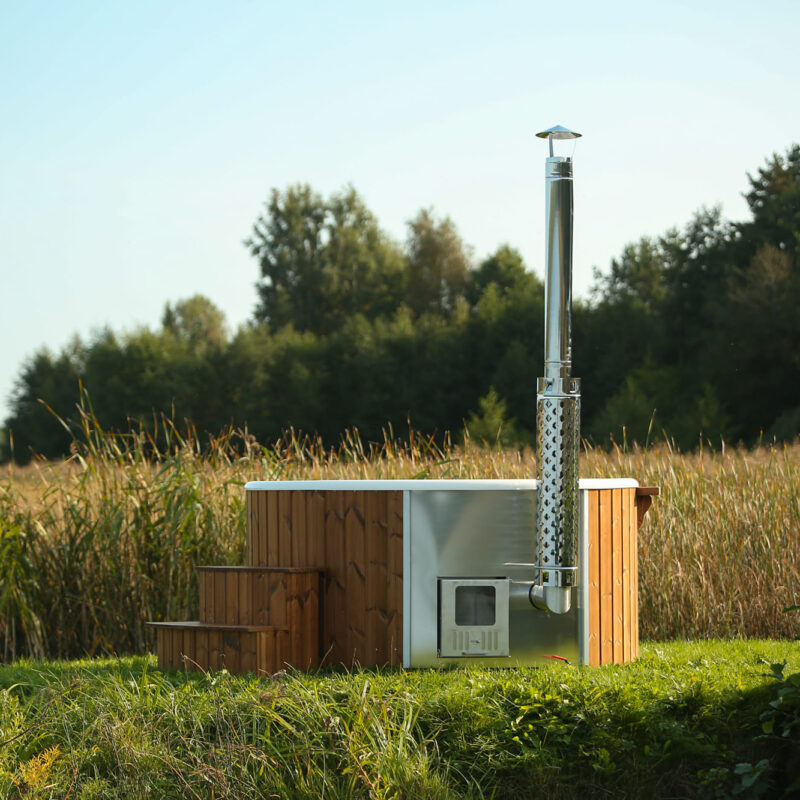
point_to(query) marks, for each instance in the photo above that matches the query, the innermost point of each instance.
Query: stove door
(473, 617)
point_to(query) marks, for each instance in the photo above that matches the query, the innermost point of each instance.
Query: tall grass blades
(672, 725)
(93, 547)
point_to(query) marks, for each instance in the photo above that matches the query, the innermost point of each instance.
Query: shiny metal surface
(558, 261)
(473, 638)
(482, 534)
(557, 399)
(558, 424)
(559, 132)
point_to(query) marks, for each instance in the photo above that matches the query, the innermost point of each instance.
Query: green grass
(687, 720)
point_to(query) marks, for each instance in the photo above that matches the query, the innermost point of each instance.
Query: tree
(197, 322)
(45, 393)
(322, 261)
(439, 265)
(637, 276)
(492, 427)
(504, 268)
(774, 200)
(757, 341)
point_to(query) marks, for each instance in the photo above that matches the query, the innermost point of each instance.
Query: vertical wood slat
(215, 650)
(247, 600)
(315, 528)
(299, 548)
(165, 654)
(202, 595)
(334, 630)
(303, 619)
(250, 503)
(187, 648)
(272, 558)
(284, 556)
(259, 613)
(626, 575)
(230, 651)
(616, 568)
(355, 579)
(394, 569)
(606, 579)
(377, 606)
(634, 528)
(294, 617)
(594, 578)
(219, 612)
(247, 658)
(201, 649)
(172, 648)
(231, 597)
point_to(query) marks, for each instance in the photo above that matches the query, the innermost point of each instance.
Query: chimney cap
(559, 132)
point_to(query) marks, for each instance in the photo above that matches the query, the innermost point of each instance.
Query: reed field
(93, 547)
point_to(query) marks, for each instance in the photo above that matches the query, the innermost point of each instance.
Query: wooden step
(285, 597)
(252, 619)
(262, 649)
(257, 595)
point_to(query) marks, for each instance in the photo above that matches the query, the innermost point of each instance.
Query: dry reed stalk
(95, 546)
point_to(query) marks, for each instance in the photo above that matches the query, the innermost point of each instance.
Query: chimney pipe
(558, 399)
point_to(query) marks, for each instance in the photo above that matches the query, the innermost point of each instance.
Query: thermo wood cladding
(251, 620)
(613, 575)
(356, 539)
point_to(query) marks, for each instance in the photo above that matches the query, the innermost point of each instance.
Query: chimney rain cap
(559, 132)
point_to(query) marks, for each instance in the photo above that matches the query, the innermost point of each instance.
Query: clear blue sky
(139, 139)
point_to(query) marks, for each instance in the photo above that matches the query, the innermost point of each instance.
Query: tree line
(695, 333)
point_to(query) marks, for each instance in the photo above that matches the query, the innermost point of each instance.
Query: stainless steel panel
(479, 534)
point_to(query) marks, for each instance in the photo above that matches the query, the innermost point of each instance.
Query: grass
(93, 547)
(687, 720)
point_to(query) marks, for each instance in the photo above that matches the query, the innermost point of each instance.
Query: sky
(139, 140)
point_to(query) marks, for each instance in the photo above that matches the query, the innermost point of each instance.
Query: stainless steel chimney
(558, 399)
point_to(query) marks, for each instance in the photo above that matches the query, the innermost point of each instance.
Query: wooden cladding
(251, 619)
(323, 584)
(613, 576)
(195, 646)
(356, 539)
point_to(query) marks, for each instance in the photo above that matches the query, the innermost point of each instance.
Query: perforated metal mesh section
(558, 419)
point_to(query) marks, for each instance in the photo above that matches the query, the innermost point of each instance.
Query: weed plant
(93, 547)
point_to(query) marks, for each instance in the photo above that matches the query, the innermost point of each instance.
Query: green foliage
(323, 261)
(491, 426)
(690, 413)
(438, 265)
(685, 721)
(353, 330)
(197, 322)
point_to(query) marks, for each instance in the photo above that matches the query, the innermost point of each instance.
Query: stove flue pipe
(558, 400)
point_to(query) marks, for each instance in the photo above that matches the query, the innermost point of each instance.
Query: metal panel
(472, 635)
(482, 534)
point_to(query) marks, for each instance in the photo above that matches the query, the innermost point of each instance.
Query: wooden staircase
(252, 619)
